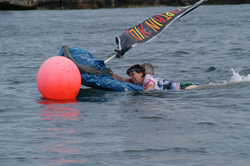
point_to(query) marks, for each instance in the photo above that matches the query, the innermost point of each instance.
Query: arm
(149, 88)
(119, 78)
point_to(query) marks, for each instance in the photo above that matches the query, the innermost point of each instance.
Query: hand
(149, 88)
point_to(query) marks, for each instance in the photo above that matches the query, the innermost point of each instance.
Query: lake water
(204, 126)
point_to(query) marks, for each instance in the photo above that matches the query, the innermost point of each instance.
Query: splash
(236, 77)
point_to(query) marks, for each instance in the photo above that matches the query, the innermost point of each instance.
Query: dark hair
(137, 68)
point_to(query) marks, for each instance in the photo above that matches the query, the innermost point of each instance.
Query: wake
(237, 77)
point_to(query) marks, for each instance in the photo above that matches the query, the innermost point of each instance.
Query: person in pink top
(150, 82)
(138, 76)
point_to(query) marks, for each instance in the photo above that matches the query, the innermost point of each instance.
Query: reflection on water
(61, 111)
(61, 161)
(66, 149)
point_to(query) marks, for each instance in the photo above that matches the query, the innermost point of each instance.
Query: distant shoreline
(97, 4)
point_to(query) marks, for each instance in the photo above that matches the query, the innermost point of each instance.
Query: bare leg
(191, 87)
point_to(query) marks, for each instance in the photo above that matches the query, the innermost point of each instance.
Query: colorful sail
(150, 28)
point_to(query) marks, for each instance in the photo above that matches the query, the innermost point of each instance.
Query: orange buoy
(58, 78)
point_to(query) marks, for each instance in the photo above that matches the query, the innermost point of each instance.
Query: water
(204, 126)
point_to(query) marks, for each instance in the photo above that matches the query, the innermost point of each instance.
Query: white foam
(236, 77)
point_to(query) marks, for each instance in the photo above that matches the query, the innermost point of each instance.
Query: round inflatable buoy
(58, 78)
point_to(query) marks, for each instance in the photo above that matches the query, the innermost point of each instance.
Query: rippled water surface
(205, 126)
